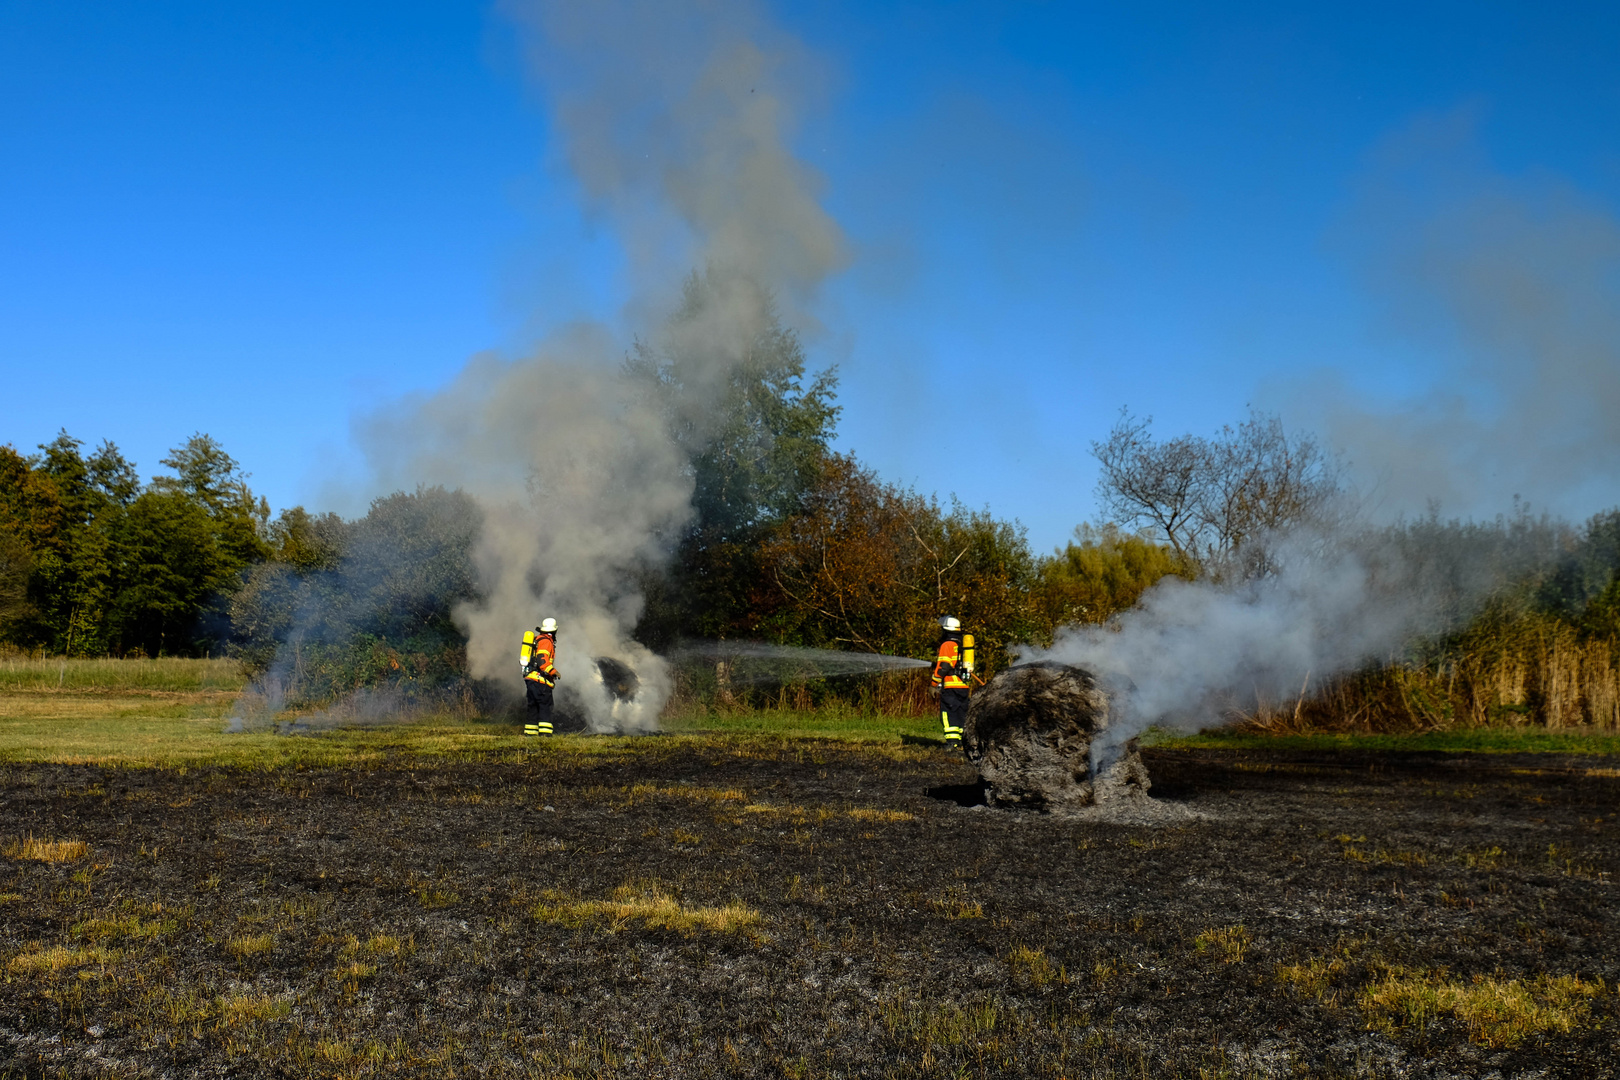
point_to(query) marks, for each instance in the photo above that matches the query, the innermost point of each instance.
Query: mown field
(779, 895)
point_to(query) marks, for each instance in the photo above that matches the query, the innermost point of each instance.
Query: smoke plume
(1514, 282)
(677, 122)
(1197, 653)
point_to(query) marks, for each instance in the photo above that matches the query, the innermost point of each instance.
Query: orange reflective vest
(539, 665)
(948, 666)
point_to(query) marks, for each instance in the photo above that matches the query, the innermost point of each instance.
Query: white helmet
(548, 626)
(950, 622)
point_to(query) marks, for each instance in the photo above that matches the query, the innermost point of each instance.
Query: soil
(445, 918)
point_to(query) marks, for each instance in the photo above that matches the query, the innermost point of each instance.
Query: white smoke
(677, 122)
(1510, 287)
(1198, 653)
(1513, 284)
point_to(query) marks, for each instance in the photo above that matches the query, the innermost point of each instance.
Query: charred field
(756, 906)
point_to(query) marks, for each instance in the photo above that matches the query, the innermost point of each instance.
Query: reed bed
(1533, 673)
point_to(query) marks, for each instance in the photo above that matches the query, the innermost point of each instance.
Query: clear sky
(263, 221)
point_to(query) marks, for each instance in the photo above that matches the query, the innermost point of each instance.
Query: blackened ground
(435, 919)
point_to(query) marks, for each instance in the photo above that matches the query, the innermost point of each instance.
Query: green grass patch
(170, 674)
(143, 725)
(135, 739)
(1471, 740)
(180, 730)
(832, 722)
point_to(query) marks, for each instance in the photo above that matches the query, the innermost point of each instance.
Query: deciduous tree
(1099, 574)
(1209, 499)
(732, 384)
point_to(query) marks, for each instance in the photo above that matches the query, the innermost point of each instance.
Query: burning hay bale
(1038, 734)
(611, 679)
(618, 677)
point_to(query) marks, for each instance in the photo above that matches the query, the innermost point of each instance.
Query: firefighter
(539, 659)
(951, 675)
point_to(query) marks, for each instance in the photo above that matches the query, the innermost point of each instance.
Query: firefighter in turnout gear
(539, 659)
(953, 667)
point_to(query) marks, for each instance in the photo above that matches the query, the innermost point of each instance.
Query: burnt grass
(432, 917)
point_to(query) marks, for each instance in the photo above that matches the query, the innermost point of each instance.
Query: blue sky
(264, 221)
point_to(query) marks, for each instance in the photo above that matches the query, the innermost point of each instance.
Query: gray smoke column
(678, 120)
(677, 123)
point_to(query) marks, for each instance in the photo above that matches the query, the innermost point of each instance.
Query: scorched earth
(749, 906)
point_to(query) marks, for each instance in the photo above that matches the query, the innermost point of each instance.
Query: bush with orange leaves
(872, 566)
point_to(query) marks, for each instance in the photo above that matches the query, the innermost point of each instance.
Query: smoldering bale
(1030, 733)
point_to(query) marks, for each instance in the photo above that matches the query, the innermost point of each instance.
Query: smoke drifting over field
(1198, 653)
(1517, 281)
(676, 122)
(1191, 651)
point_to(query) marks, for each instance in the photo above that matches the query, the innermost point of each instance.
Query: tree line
(94, 563)
(790, 542)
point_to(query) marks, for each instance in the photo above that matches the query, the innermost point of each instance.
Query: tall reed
(1529, 670)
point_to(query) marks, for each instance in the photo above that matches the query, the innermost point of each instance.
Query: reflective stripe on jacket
(539, 664)
(948, 666)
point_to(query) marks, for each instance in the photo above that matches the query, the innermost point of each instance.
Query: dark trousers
(953, 706)
(538, 721)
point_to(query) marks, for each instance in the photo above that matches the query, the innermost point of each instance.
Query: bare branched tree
(1152, 485)
(1210, 499)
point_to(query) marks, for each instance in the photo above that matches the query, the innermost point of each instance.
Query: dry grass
(1313, 978)
(99, 676)
(1035, 966)
(801, 815)
(251, 1007)
(785, 811)
(1530, 671)
(250, 945)
(39, 957)
(1497, 1012)
(933, 1024)
(375, 946)
(1379, 855)
(688, 791)
(886, 817)
(434, 897)
(954, 903)
(651, 905)
(50, 851)
(125, 928)
(1228, 942)
(1485, 859)
(354, 971)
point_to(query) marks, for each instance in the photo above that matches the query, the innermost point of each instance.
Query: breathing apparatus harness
(962, 668)
(541, 663)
